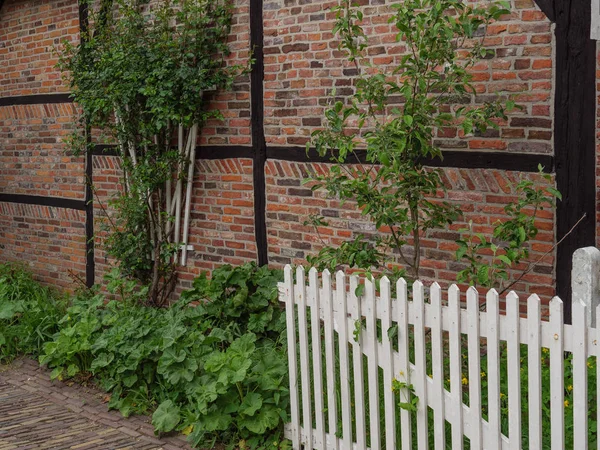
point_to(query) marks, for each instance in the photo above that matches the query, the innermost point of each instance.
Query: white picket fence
(429, 330)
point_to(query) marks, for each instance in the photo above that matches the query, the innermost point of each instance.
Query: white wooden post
(585, 281)
(595, 25)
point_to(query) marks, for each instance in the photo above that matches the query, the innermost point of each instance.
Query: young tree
(443, 39)
(141, 74)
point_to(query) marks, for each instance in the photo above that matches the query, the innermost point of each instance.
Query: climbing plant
(142, 75)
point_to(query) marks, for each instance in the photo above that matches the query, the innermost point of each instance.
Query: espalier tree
(140, 75)
(393, 114)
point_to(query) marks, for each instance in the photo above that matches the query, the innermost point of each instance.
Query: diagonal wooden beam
(548, 8)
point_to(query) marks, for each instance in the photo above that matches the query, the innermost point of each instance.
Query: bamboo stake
(188, 195)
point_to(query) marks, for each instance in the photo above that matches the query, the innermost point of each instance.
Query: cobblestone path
(36, 413)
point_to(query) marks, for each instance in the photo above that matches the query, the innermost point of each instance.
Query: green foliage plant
(141, 75)
(393, 115)
(211, 366)
(489, 259)
(29, 313)
(394, 188)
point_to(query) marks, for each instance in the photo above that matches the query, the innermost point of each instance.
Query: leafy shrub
(216, 371)
(29, 313)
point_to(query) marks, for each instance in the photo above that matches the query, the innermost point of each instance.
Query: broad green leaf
(166, 417)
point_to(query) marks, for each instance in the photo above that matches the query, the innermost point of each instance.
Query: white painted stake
(290, 315)
(513, 344)
(188, 195)
(455, 338)
(474, 368)
(557, 370)
(403, 355)
(437, 362)
(330, 359)
(373, 365)
(357, 360)
(535, 375)
(313, 279)
(420, 375)
(493, 375)
(304, 358)
(387, 364)
(580, 380)
(342, 307)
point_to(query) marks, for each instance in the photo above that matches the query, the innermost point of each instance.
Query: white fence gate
(343, 363)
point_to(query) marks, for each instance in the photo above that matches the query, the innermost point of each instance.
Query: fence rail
(343, 362)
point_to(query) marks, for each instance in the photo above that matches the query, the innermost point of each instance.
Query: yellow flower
(401, 373)
(570, 388)
(502, 395)
(545, 350)
(482, 374)
(566, 403)
(590, 364)
(465, 381)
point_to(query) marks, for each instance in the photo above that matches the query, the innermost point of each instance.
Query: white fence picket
(437, 362)
(403, 361)
(357, 361)
(373, 365)
(454, 342)
(557, 371)
(420, 374)
(330, 370)
(580, 382)
(513, 347)
(304, 358)
(474, 355)
(427, 322)
(388, 364)
(290, 310)
(340, 291)
(493, 370)
(535, 374)
(315, 322)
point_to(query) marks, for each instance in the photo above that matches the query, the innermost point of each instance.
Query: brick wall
(482, 194)
(222, 216)
(303, 65)
(30, 30)
(51, 241)
(33, 159)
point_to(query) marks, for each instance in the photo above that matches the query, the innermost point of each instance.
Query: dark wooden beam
(574, 136)
(90, 261)
(547, 7)
(259, 144)
(40, 99)
(520, 162)
(55, 202)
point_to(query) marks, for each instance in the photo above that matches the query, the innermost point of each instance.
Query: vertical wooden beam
(259, 144)
(574, 136)
(90, 263)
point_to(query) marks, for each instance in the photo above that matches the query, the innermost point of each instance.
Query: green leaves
(166, 417)
(217, 370)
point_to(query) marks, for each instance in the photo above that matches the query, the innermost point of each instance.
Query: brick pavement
(36, 413)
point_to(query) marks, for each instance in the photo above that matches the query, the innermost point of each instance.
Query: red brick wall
(33, 159)
(235, 105)
(303, 65)
(50, 240)
(29, 32)
(482, 194)
(222, 216)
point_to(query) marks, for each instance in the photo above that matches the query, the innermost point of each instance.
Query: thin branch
(532, 265)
